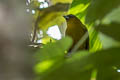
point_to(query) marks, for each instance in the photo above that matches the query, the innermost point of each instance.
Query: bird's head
(67, 17)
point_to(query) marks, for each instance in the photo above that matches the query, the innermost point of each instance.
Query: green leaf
(108, 42)
(80, 60)
(98, 9)
(81, 65)
(61, 1)
(106, 58)
(51, 55)
(69, 73)
(71, 69)
(112, 30)
(78, 8)
(100, 59)
(95, 43)
(113, 16)
(54, 50)
(107, 73)
(51, 16)
(78, 2)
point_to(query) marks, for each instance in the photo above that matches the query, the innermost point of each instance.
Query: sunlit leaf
(61, 1)
(95, 43)
(78, 8)
(43, 66)
(51, 55)
(52, 15)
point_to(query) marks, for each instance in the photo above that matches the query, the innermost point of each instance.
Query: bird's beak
(66, 17)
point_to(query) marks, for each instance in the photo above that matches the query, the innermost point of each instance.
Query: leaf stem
(80, 42)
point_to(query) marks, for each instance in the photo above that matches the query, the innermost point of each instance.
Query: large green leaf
(81, 65)
(52, 15)
(54, 50)
(100, 59)
(107, 73)
(51, 55)
(78, 8)
(113, 16)
(70, 70)
(78, 2)
(69, 73)
(112, 30)
(106, 58)
(98, 9)
(107, 41)
(61, 1)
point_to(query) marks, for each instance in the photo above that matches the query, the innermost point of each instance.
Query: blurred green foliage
(102, 19)
(99, 8)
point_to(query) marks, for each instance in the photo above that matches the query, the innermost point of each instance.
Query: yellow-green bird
(76, 30)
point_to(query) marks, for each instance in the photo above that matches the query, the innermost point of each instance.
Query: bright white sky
(54, 32)
(44, 5)
(41, 0)
(118, 70)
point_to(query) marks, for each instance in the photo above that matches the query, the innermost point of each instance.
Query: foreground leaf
(100, 8)
(54, 50)
(112, 30)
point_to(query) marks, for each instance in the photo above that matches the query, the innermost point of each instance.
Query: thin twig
(35, 30)
(80, 42)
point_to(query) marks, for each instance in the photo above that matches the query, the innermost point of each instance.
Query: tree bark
(15, 58)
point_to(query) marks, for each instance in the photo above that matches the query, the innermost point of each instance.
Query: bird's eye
(71, 16)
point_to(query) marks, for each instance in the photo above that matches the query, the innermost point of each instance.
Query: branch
(80, 42)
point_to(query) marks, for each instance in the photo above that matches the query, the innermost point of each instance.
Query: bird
(76, 30)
